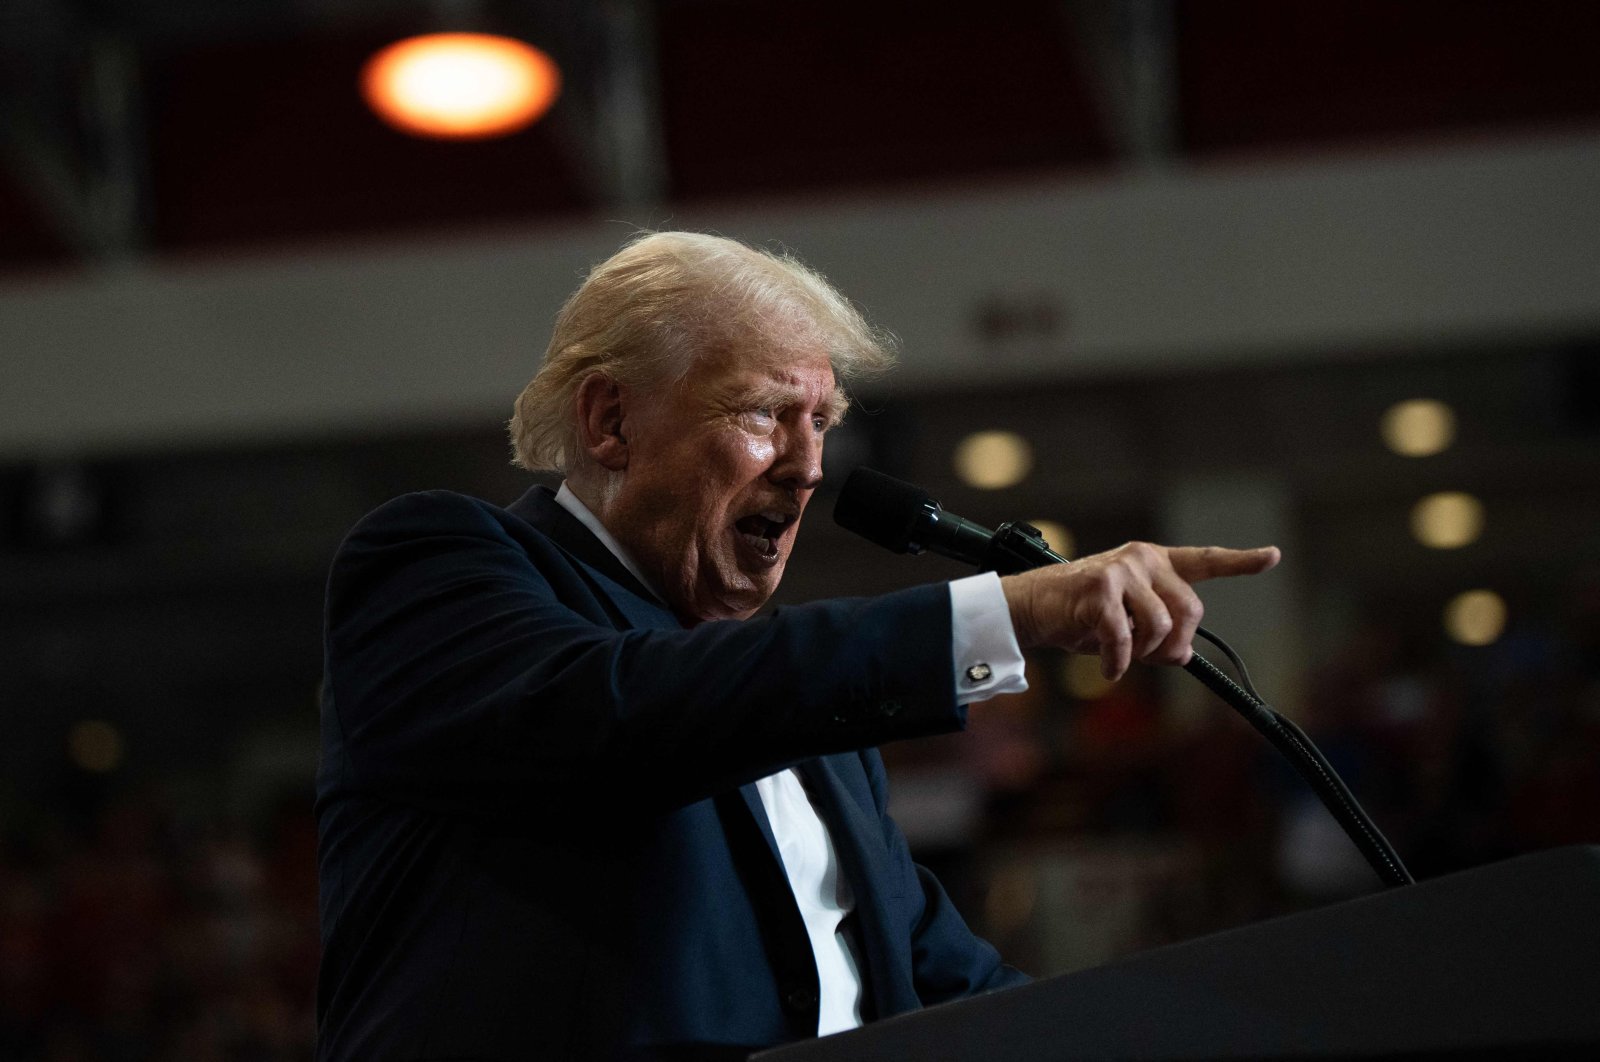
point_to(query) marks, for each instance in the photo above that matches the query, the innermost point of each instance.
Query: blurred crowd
(1131, 818)
(130, 933)
(1072, 826)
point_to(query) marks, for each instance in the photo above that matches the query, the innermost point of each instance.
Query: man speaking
(576, 799)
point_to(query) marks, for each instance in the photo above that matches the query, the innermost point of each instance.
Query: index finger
(1195, 563)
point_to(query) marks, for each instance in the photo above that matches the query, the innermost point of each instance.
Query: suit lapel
(847, 821)
(758, 811)
(865, 865)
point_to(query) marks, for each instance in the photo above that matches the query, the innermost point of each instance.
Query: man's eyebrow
(834, 407)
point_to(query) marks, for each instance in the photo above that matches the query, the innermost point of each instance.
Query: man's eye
(819, 424)
(762, 418)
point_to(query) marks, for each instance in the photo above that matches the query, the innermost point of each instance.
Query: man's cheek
(759, 449)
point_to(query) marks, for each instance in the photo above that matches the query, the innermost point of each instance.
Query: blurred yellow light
(1418, 427)
(1056, 536)
(94, 745)
(1447, 520)
(460, 85)
(991, 460)
(1080, 676)
(1476, 617)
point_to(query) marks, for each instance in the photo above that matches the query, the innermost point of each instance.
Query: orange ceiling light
(460, 86)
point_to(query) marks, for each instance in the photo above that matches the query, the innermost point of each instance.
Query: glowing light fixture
(1475, 617)
(460, 85)
(1056, 536)
(1447, 520)
(94, 745)
(1418, 427)
(991, 460)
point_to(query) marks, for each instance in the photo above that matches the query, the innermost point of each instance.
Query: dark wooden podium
(1501, 960)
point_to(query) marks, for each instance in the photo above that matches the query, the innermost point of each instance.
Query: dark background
(160, 592)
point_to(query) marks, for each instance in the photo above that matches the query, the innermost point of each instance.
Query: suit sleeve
(461, 679)
(948, 960)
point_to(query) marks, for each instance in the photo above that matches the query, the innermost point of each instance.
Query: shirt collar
(569, 501)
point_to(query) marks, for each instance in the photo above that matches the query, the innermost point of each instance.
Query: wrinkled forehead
(774, 352)
(796, 359)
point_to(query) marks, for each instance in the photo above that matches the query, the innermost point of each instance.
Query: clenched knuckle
(1144, 552)
(1098, 581)
(1189, 608)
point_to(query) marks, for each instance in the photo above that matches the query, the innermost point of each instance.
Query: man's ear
(600, 417)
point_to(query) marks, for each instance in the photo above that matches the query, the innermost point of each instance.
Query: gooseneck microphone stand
(1019, 547)
(904, 518)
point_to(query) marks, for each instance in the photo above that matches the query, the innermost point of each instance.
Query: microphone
(902, 517)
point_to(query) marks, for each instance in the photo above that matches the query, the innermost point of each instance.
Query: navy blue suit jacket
(538, 836)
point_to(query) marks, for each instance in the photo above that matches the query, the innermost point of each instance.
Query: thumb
(1196, 563)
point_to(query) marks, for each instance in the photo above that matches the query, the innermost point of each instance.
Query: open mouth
(761, 531)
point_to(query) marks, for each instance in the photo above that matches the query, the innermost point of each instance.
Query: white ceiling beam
(1302, 261)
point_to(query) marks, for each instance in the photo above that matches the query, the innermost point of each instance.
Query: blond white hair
(643, 315)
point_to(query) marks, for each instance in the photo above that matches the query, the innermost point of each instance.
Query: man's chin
(743, 597)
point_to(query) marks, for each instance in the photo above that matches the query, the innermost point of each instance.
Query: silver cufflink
(979, 672)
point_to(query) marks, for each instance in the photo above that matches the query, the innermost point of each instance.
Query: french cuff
(983, 645)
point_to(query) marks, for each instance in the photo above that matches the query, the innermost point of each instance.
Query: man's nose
(799, 463)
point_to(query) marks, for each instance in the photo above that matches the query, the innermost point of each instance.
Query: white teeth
(758, 543)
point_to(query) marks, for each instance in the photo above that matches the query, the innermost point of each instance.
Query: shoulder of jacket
(431, 513)
(445, 506)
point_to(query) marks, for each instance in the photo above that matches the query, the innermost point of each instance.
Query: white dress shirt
(986, 660)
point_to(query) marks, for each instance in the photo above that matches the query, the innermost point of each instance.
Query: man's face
(720, 468)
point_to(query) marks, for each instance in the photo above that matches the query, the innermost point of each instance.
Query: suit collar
(539, 508)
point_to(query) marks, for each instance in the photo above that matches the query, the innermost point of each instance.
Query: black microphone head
(882, 509)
